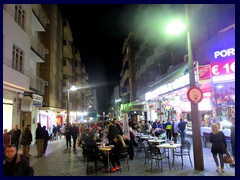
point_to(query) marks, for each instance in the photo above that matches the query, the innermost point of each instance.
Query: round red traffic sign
(195, 95)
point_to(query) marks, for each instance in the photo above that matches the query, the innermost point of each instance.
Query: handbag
(228, 159)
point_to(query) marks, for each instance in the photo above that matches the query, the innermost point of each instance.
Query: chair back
(186, 145)
(145, 144)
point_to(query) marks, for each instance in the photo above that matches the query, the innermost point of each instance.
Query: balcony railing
(37, 84)
(124, 77)
(40, 13)
(67, 31)
(39, 48)
(67, 49)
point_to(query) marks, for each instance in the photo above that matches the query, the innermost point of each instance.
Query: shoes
(218, 168)
(118, 167)
(222, 170)
(113, 169)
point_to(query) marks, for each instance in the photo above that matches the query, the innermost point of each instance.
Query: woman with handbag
(219, 145)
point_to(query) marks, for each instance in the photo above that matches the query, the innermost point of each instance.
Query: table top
(167, 145)
(156, 141)
(146, 137)
(105, 148)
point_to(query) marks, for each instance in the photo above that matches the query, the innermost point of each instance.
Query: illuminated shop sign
(224, 53)
(176, 84)
(223, 65)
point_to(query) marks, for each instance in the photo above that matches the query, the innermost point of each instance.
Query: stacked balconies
(67, 68)
(37, 85)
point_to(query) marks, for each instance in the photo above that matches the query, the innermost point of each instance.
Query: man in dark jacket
(112, 131)
(15, 136)
(117, 125)
(15, 164)
(74, 133)
(26, 141)
(39, 139)
(182, 128)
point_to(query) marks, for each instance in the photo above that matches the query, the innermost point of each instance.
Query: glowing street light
(73, 88)
(176, 27)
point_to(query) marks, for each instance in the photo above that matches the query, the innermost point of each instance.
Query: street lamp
(73, 88)
(196, 128)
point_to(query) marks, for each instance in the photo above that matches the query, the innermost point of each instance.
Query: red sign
(204, 73)
(195, 95)
(223, 67)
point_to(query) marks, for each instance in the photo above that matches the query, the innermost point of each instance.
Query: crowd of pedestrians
(87, 135)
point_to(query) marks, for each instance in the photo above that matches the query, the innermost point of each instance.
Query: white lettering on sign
(224, 53)
(215, 70)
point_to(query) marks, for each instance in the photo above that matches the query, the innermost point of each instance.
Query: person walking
(182, 128)
(168, 126)
(15, 164)
(68, 135)
(15, 136)
(26, 141)
(45, 139)
(39, 140)
(74, 133)
(219, 145)
(174, 130)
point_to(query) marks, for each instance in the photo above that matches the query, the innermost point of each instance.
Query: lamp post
(196, 123)
(73, 88)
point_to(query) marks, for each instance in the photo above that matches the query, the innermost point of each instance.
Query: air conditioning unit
(45, 83)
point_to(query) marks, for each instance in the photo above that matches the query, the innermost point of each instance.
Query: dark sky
(99, 32)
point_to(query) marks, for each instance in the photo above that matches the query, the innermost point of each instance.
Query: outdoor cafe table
(106, 149)
(158, 141)
(146, 137)
(169, 146)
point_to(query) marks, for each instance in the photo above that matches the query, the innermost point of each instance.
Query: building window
(20, 15)
(17, 59)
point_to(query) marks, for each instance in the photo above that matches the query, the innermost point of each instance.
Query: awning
(26, 104)
(176, 71)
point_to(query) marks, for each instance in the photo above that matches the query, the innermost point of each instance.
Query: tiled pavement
(58, 161)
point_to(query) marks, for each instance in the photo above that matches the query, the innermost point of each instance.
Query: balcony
(39, 18)
(83, 69)
(67, 32)
(13, 78)
(159, 51)
(124, 77)
(77, 55)
(38, 50)
(67, 49)
(150, 60)
(142, 49)
(124, 91)
(37, 84)
(125, 59)
(67, 68)
(78, 70)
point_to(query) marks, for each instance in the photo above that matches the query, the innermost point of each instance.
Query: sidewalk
(59, 161)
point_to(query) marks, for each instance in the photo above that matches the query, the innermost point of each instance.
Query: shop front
(219, 52)
(169, 101)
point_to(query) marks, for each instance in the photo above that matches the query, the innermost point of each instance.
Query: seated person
(159, 131)
(115, 153)
(91, 144)
(130, 148)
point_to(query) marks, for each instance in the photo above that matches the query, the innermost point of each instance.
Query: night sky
(99, 32)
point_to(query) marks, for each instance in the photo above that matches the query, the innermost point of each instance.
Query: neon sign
(224, 53)
(223, 67)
